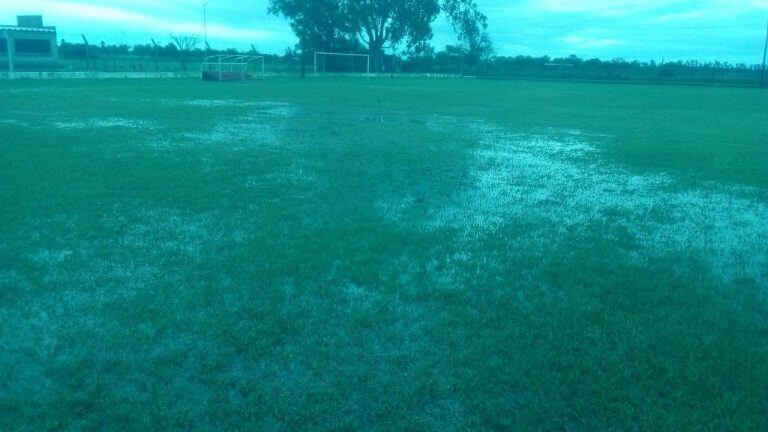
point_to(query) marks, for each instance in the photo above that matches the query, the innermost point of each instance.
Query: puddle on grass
(26, 90)
(262, 127)
(13, 122)
(556, 180)
(394, 118)
(301, 172)
(239, 133)
(67, 278)
(108, 122)
(225, 103)
(277, 109)
(144, 242)
(264, 107)
(215, 103)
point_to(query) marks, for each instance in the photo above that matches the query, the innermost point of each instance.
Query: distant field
(383, 254)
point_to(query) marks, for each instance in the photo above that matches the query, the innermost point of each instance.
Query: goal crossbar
(228, 67)
(367, 59)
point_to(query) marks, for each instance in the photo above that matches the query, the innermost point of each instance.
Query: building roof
(27, 29)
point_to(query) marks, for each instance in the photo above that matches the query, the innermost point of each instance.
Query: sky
(707, 30)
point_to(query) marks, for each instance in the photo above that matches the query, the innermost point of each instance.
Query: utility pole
(87, 54)
(157, 68)
(9, 48)
(105, 53)
(765, 56)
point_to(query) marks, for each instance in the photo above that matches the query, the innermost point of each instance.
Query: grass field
(384, 254)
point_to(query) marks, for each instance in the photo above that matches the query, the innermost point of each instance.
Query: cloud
(673, 9)
(686, 16)
(713, 10)
(141, 22)
(581, 42)
(600, 7)
(725, 30)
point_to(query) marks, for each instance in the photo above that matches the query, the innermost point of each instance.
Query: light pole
(205, 27)
(765, 56)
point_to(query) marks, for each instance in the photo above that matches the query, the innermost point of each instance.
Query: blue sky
(726, 30)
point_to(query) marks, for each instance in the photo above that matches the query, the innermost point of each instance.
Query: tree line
(397, 34)
(402, 27)
(451, 59)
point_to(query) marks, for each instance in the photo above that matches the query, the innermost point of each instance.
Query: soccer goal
(232, 68)
(342, 63)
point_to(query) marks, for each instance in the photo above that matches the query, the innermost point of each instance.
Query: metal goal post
(366, 56)
(232, 68)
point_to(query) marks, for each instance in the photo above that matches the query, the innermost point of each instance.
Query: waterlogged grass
(382, 255)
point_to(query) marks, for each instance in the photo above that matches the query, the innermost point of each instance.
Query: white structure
(28, 45)
(232, 68)
(320, 61)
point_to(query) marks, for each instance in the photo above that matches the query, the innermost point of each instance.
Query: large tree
(380, 23)
(471, 27)
(319, 24)
(376, 24)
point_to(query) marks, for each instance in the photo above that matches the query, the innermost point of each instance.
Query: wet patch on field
(107, 122)
(557, 183)
(391, 118)
(264, 107)
(302, 171)
(13, 122)
(75, 276)
(213, 103)
(26, 90)
(70, 283)
(140, 241)
(262, 126)
(239, 133)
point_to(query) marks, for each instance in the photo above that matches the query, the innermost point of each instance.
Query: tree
(450, 60)
(185, 43)
(471, 27)
(289, 58)
(319, 24)
(419, 59)
(143, 50)
(378, 24)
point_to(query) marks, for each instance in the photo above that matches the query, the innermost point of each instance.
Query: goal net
(232, 68)
(328, 63)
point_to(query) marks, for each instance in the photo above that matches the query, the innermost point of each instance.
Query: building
(28, 45)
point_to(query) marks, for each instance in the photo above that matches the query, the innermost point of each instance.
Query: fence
(96, 75)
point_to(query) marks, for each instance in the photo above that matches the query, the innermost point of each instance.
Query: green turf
(384, 254)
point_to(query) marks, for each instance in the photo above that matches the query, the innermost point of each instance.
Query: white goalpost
(232, 68)
(321, 62)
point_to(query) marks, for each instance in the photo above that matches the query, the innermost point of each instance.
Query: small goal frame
(230, 68)
(367, 58)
